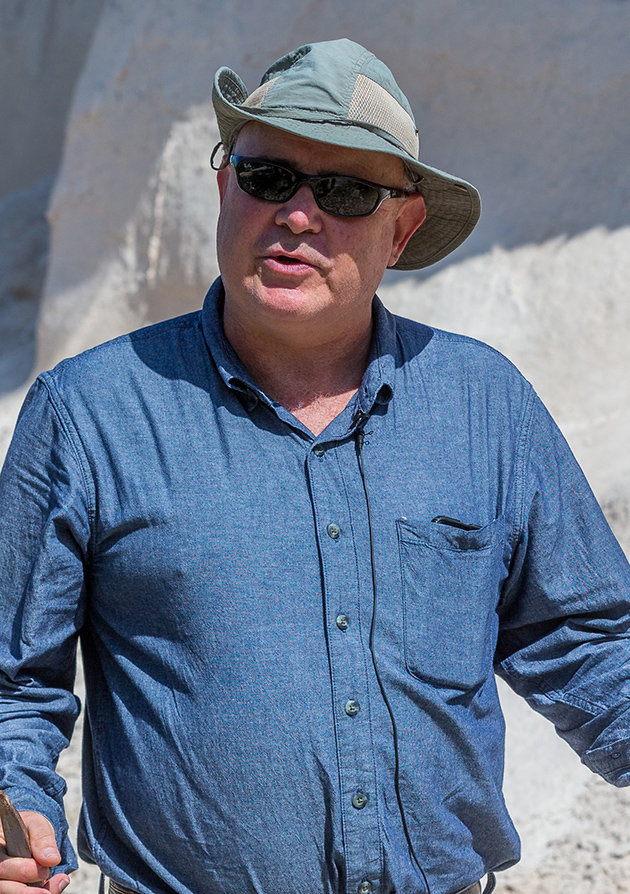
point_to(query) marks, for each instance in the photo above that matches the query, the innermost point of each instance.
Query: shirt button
(365, 887)
(333, 531)
(359, 800)
(351, 707)
(319, 450)
(342, 622)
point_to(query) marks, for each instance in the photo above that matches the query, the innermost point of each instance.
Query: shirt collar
(228, 364)
(377, 386)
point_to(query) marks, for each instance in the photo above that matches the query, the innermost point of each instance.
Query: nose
(300, 213)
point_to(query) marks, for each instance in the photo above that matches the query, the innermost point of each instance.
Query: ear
(411, 215)
(222, 181)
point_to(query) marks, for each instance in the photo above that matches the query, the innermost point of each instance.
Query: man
(297, 535)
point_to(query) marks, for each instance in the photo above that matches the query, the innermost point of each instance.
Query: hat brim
(453, 205)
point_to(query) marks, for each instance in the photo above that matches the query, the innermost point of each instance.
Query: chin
(292, 301)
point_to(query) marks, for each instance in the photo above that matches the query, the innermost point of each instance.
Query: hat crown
(339, 81)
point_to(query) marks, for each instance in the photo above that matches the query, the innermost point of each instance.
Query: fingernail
(63, 885)
(50, 853)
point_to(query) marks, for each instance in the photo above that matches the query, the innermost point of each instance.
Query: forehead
(312, 157)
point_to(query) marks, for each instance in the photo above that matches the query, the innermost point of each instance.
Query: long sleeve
(565, 614)
(44, 536)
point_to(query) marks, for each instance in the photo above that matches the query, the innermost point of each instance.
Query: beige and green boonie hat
(338, 92)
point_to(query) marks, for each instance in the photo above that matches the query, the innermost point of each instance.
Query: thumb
(42, 837)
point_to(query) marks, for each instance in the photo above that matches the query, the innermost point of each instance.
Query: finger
(56, 884)
(15, 888)
(42, 836)
(17, 869)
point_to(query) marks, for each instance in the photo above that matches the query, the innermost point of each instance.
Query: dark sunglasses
(334, 193)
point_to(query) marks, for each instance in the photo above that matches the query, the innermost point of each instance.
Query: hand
(16, 873)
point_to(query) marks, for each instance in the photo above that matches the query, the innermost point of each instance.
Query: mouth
(285, 263)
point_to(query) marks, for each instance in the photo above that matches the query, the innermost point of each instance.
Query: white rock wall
(529, 102)
(43, 44)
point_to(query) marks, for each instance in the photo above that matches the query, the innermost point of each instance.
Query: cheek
(239, 225)
(366, 250)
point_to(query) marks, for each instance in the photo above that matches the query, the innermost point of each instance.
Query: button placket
(340, 566)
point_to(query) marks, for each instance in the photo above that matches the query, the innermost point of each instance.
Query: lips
(295, 262)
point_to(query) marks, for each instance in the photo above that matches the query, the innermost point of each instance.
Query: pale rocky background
(108, 209)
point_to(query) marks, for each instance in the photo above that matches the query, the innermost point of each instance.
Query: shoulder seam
(457, 338)
(522, 454)
(65, 420)
(444, 335)
(186, 321)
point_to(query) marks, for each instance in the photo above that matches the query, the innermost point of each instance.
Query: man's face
(293, 261)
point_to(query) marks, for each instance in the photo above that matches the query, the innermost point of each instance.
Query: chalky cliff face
(527, 101)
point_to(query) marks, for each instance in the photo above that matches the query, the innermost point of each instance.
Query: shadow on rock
(24, 243)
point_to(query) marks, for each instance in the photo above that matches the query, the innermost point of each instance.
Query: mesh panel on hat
(372, 104)
(256, 99)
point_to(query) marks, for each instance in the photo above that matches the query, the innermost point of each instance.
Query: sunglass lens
(269, 182)
(338, 195)
(346, 197)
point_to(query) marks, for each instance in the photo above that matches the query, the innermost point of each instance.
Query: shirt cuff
(612, 762)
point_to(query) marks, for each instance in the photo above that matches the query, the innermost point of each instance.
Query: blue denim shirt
(227, 581)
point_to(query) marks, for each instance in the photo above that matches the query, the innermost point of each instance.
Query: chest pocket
(451, 580)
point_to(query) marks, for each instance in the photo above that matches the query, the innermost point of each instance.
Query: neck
(312, 373)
